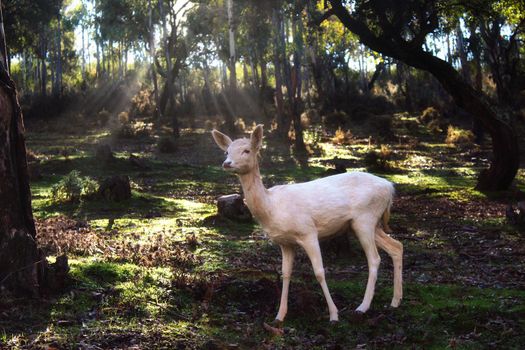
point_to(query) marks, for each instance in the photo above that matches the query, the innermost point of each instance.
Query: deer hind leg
(288, 257)
(394, 248)
(365, 232)
(311, 246)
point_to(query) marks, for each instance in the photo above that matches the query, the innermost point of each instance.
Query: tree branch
(317, 21)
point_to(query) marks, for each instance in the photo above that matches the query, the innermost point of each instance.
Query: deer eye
(246, 151)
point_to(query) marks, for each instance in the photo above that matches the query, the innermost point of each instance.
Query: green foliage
(73, 187)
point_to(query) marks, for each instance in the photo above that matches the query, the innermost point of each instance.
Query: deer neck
(255, 194)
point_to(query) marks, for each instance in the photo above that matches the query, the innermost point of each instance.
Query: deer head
(241, 154)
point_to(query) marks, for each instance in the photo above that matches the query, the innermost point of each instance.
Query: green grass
(223, 296)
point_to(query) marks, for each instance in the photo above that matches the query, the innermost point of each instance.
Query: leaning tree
(399, 28)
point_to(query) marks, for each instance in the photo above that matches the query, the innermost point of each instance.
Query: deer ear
(256, 137)
(222, 140)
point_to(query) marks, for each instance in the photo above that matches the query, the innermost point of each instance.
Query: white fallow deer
(301, 214)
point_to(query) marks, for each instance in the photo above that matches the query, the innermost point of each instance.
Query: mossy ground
(166, 273)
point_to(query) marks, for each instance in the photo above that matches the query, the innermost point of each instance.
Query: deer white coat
(301, 214)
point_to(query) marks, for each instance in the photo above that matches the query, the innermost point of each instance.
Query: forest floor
(162, 271)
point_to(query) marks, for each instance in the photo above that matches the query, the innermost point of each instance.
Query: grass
(202, 282)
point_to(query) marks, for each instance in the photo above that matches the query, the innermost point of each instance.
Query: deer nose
(227, 164)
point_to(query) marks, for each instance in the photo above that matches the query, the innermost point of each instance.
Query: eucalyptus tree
(27, 27)
(208, 22)
(399, 29)
(502, 51)
(175, 52)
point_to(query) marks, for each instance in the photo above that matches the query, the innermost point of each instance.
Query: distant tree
(399, 29)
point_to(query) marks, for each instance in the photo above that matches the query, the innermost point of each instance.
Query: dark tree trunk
(264, 79)
(505, 163)
(279, 101)
(23, 267)
(43, 73)
(379, 69)
(153, 71)
(296, 83)
(21, 262)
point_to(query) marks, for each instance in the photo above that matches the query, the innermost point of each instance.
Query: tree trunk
(43, 74)
(97, 56)
(231, 94)
(279, 102)
(83, 52)
(58, 90)
(245, 77)
(379, 69)
(158, 114)
(21, 263)
(462, 53)
(169, 68)
(296, 85)
(231, 35)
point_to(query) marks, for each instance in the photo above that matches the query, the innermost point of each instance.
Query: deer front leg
(288, 253)
(311, 246)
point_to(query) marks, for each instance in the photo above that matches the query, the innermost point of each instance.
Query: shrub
(430, 114)
(166, 144)
(435, 126)
(378, 160)
(123, 118)
(341, 137)
(459, 136)
(335, 118)
(132, 130)
(142, 104)
(240, 124)
(381, 125)
(432, 118)
(73, 187)
(309, 117)
(31, 156)
(102, 117)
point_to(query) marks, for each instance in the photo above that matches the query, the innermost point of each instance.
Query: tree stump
(115, 188)
(104, 154)
(232, 207)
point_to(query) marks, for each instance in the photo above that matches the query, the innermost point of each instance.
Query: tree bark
(279, 101)
(232, 90)
(296, 78)
(58, 77)
(168, 46)
(21, 263)
(462, 53)
(505, 163)
(158, 114)
(43, 74)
